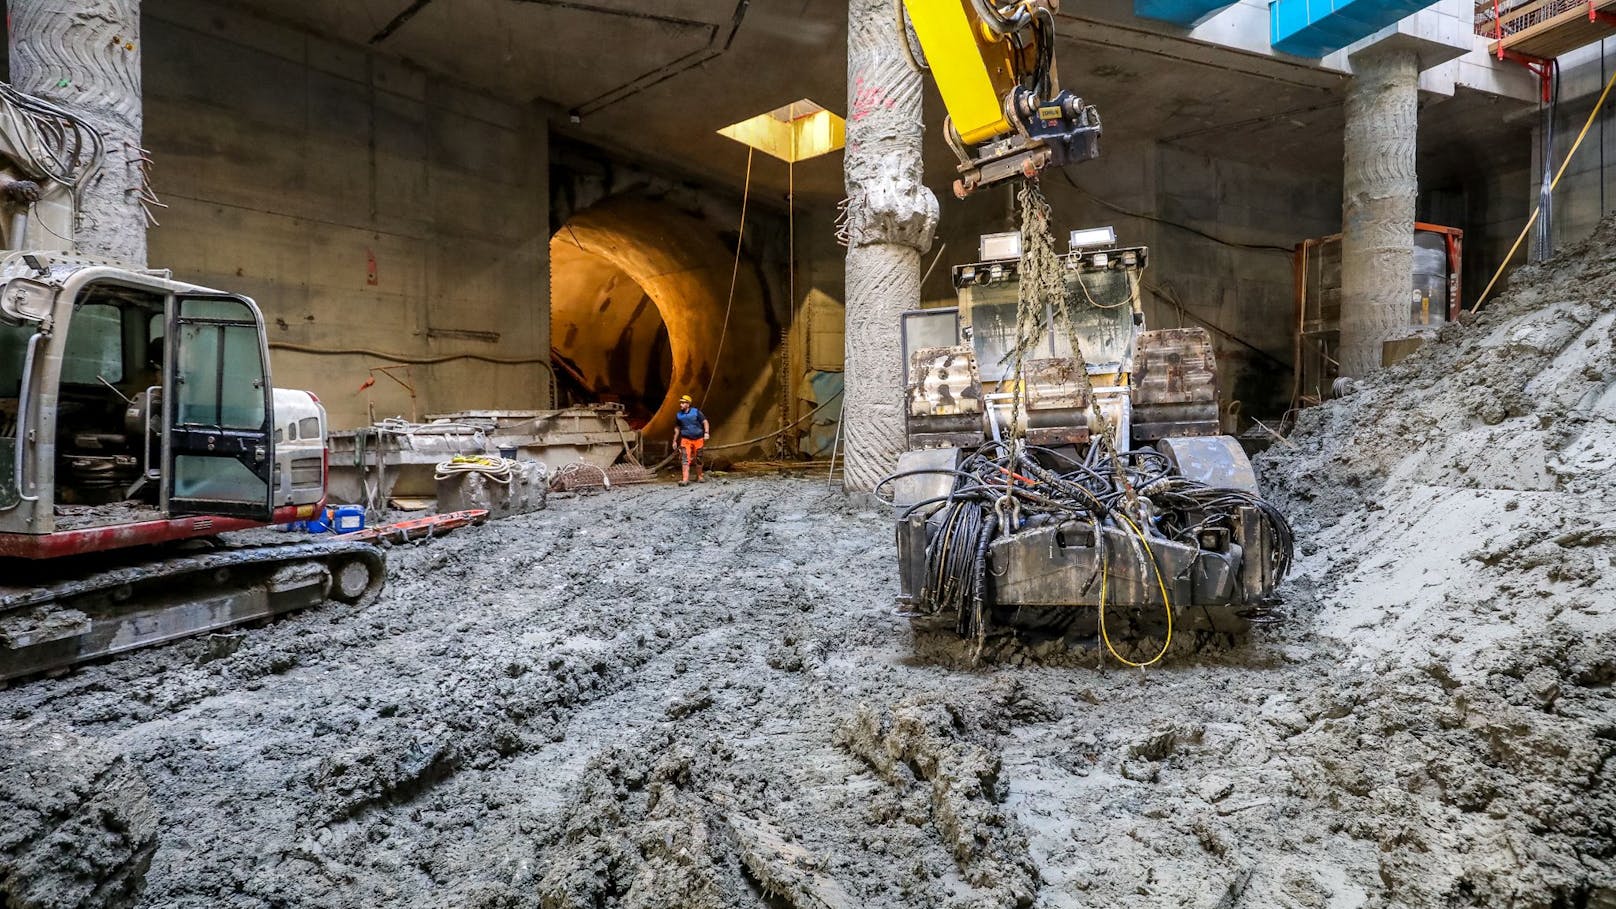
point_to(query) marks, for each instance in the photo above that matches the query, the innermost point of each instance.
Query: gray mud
(702, 698)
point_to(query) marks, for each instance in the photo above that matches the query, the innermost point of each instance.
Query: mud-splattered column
(1377, 210)
(85, 56)
(890, 219)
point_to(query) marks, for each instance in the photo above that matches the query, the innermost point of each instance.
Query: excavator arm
(994, 64)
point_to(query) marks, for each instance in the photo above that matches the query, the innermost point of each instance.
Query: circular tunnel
(638, 295)
(608, 340)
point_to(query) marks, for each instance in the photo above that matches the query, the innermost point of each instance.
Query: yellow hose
(1592, 116)
(1167, 602)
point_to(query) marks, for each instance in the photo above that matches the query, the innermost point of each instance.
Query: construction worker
(690, 433)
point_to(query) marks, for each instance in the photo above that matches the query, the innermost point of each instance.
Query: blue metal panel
(1313, 28)
(1178, 12)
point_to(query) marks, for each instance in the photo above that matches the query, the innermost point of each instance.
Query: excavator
(1065, 469)
(138, 422)
(994, 64)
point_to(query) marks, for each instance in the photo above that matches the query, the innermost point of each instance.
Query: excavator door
(218, 448)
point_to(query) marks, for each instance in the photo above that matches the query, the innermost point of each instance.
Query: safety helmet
(684, 399)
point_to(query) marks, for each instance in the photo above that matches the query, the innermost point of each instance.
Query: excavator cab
(130, 401)
(137, 411)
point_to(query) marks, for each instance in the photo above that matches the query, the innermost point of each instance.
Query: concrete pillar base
(1377, 212)
(890, 219)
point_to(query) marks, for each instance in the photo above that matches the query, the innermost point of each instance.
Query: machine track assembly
(55, 620)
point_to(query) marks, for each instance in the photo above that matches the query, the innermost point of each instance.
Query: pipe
(19, 229)
(18, 459)
(1598, 105)
(419, 360)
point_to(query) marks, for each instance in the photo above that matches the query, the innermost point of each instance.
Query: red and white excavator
(138, 421)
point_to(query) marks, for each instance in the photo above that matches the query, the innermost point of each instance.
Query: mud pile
(1458, 519)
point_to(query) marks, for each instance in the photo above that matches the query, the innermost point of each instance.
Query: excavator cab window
(1101, 306)
(103, 455)
(94, 351)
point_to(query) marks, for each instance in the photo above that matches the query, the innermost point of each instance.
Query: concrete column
(84, 55)
(1377, 211)
(890, 219)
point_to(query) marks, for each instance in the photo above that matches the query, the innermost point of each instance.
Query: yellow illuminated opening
(796, 132)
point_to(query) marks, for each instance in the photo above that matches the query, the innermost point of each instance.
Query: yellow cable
(1167, 603)
(1592, 115)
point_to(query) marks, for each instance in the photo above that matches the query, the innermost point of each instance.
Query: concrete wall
(1588, 189)
(362, 202)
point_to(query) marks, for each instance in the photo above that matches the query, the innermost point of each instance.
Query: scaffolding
(1534, 32)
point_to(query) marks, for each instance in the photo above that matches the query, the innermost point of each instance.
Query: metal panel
(919, 487)
(1176, 385)
(1213, 460)
(1060, 566)
(1180, 12)
(1314, 28)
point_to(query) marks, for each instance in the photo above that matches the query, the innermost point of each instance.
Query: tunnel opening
(609, 342)
(650, 301)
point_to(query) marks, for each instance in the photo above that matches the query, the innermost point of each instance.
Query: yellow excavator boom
(995, 68)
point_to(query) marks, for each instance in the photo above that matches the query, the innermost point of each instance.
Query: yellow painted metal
(972, 69)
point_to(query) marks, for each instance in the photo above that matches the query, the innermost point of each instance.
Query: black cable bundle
(1134, 490)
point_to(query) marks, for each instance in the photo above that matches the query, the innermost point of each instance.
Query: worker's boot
(685, 463)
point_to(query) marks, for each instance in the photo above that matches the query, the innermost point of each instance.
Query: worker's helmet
(684, 399)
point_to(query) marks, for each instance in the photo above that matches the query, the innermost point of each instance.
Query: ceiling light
(795, 132)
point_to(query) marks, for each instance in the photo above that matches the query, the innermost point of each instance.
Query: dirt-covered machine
(1066, 469)
(137, 412)
(137, 422)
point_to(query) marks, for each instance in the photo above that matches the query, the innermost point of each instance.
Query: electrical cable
(1592, 115)
(797, 422)
(414, 360)
(496, 469)
(734, 275)
(1102, 490)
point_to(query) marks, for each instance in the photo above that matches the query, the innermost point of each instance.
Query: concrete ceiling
(656, 85)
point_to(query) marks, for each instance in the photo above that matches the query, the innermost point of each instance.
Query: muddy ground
(702, 697)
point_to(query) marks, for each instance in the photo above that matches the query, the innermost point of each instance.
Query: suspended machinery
(1065, 468)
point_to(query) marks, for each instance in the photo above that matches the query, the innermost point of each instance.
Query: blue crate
(345, 518)
(1314, 28)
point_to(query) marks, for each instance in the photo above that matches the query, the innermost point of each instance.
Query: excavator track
(49, 621)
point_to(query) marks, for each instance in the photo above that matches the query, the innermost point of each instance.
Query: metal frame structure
(1453, 242)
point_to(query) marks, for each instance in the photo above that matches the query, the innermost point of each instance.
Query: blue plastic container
(345, 518)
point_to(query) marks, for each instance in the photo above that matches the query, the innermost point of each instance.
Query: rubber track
(21, 597)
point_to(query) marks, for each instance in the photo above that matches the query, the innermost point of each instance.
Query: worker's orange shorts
(691, 448)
